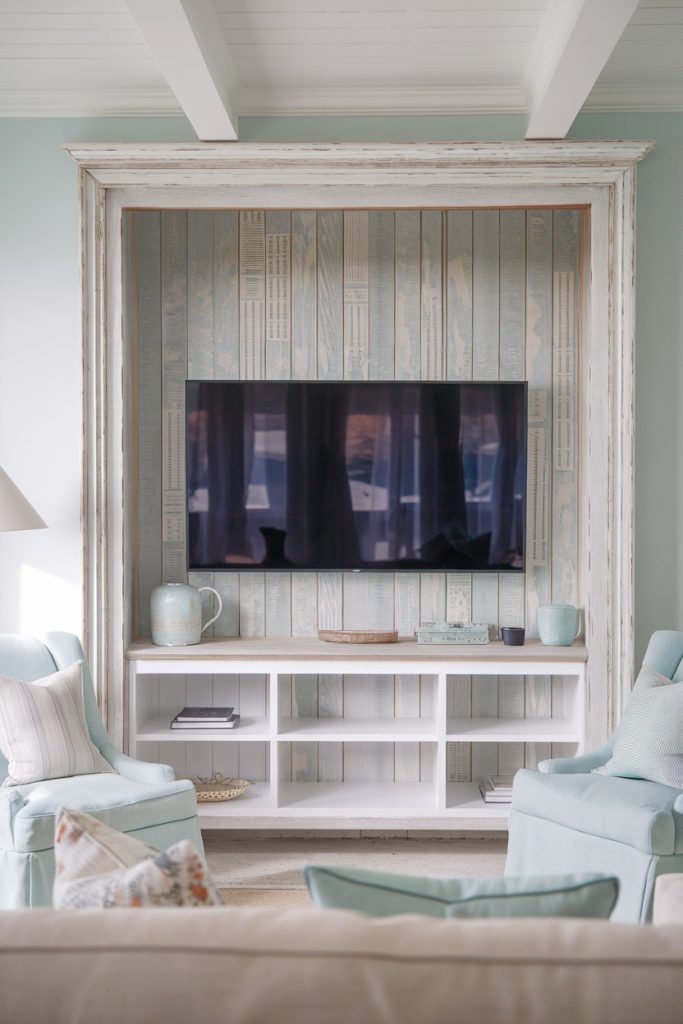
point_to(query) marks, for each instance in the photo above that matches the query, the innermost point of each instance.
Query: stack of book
(206, 718)
(497, 789)
(452, 633)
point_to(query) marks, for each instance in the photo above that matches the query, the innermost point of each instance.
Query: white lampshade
(16, 513)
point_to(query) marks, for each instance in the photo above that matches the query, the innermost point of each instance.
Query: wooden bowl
(358, 636)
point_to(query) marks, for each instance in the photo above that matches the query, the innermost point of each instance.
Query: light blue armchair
(142, 799)
(564, 819)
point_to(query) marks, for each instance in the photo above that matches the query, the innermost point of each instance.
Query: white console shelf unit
(437, 804)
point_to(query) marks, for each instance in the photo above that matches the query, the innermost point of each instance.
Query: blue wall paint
(39, 412)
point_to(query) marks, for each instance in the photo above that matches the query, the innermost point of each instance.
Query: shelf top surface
(315, 650)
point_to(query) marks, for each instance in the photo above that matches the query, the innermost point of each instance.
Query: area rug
(253, 872)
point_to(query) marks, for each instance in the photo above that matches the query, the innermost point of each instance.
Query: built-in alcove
(550, 230)
(394, 294)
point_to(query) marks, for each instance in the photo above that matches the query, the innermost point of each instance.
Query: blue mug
(558, 624)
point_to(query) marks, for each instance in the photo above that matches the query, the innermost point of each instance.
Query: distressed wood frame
(599, 176)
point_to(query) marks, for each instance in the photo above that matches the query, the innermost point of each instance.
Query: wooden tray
(358, 636)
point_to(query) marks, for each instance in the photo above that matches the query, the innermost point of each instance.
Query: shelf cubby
(394, 735)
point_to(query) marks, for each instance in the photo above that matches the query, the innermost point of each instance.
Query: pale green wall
(40, 337)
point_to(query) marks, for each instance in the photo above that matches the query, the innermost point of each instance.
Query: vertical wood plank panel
(459, 705)
(209, 603)
(432, 597)
(173, 376)
(459, 597)
(252, 294)
(565, 407)
(330, 600)
(459, 295)
(278, 604)
(408, 277)
(304, 295)
(330, 295)
(539, 495)
(512, 294)
(146, 227)
(330, 705)
(226, 317)
(252, 604)
(484, 688)
(381, 229)
(200, 294)
(304, 604)
(407, 596)
(228, 586)
(485, 297)
(199, 756)
(431, 318)
(226, 693)
(278, 294)
(356, 295)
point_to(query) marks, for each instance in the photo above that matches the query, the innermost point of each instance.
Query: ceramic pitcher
(176, 614)
(558, 624)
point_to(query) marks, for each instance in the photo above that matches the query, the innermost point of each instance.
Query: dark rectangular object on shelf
(202, 714)
(366, 475)
(232, 723)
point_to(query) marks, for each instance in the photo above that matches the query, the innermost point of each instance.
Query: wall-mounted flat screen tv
(356, 475)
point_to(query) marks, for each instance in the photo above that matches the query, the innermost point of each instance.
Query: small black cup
(513, 636)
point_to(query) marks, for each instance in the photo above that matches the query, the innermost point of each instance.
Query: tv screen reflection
(367, 475)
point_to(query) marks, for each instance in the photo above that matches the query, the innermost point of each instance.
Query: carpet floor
(268, 872)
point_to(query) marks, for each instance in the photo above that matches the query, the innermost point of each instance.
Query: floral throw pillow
(98, 867)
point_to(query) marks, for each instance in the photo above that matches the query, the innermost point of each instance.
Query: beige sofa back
(329, 967)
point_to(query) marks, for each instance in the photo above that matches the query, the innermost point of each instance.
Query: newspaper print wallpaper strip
(404, 294)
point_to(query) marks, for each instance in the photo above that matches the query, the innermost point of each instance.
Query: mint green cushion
(382, 895)
(124, 804)
(631, 811)
(649, 741)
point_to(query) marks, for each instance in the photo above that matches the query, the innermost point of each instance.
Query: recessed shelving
(325, 747)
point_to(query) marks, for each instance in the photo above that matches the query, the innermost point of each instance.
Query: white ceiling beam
(188, 43)
(574, 42)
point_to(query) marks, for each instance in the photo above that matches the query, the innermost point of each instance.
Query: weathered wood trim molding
(597, 175)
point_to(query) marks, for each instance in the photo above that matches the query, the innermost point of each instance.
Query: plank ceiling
(70, 57)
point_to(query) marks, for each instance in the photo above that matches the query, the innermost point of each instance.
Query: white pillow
(98, 867)
(648, 743)
(43, 728)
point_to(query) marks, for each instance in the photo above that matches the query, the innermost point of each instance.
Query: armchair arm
(577, 765)
(11, 803)
(678, 804)
(139, 771)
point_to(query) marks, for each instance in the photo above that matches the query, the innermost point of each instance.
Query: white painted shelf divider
(358, 804)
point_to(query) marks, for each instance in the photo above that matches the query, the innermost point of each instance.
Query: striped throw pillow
(43, 728)
(648, 743)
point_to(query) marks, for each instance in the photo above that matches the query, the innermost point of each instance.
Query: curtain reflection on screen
(356, 475)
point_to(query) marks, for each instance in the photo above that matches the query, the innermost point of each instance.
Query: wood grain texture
(173, 376)
(330, 295)
(385, 294)
(226, 341)
(431, 312)
(485, 294)
(459, 295)
(304, 294)
(146, 314)
(539, 355)
(381, 258)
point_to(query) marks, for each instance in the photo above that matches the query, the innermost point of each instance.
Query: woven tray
(217, 787)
